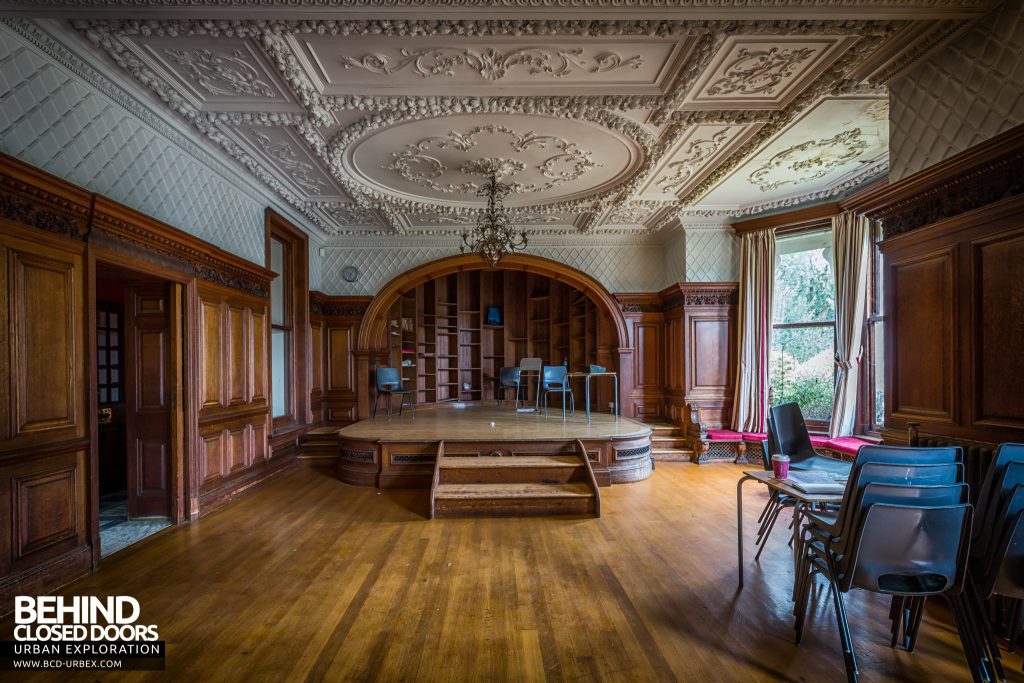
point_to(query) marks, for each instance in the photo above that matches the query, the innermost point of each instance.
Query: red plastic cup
(780, 466)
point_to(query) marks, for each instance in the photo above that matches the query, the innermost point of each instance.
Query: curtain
(757, 280)
(851, 248)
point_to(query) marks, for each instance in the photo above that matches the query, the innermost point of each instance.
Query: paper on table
(815, 482)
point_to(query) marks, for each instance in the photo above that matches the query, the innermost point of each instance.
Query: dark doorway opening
(137, 383)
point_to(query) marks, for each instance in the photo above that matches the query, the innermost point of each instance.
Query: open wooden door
(151, 390)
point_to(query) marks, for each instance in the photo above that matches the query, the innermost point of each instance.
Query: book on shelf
(818, 483)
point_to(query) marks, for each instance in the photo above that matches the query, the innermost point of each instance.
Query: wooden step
(513, 499)
(550, 469)
(669, 442)
(664, 429)
(671, 454)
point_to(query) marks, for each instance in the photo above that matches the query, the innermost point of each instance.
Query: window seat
(729, 444)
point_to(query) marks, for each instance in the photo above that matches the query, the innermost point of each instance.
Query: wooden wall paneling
(645, 382)
(997, 303)
(923, 335)
(701, 333)
(45, 438)
(234, 430)
(342, 386)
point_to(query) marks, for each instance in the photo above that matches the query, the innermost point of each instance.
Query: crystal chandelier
(493, 235)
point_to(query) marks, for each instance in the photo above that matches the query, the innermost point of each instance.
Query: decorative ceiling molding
(794, 61)
(491, 64)
(809, 160)
(597, 9)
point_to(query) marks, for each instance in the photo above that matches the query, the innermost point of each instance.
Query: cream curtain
(851, 244)
(757, 280)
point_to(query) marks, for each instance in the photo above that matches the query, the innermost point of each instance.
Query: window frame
(781, 233)
(866, 389)
(295, 261)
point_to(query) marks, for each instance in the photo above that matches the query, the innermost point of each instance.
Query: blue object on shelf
(493, 315)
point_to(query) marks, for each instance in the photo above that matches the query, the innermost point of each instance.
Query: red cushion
(723, 435)
(819, 441)
(754, 436)
(846, 444)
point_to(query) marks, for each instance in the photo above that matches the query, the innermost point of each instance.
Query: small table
(781, 486)
(586, 387)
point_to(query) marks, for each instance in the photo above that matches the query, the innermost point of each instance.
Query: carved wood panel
(921, 304)
(709, 354)
(998, 265)
(339, 349)
(211, 336)
(44, 339)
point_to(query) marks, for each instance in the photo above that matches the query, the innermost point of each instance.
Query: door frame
(183, 424)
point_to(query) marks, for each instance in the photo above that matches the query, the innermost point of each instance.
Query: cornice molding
(984, 174)
(193, 255)
(32, 197)
(338, 306)
(687, 294)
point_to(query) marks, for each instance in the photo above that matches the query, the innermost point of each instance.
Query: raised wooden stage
(402, 453)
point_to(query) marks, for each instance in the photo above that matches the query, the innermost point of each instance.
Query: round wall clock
(350, 274)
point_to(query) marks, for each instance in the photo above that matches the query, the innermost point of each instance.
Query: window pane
(279, 372)
(114, 395)
(804, 286)
(103, 395)
(801, 369)
(277, 286)
(878, 371)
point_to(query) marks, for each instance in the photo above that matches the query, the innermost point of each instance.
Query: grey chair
(389, 383)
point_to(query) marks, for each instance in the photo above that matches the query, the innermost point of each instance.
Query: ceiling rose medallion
(494, 234)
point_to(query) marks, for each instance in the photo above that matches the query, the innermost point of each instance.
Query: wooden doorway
(138, 383)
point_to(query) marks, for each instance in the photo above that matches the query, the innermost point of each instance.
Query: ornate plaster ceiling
(374, 125)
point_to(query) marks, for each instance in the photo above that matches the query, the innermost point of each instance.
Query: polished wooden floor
(474, 423)
(311, 579)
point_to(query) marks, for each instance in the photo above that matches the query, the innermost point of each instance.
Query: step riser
(674, 442)
(514, 507)
(517, 475)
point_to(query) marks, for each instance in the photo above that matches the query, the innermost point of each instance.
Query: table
(586, 387)
(781, 486)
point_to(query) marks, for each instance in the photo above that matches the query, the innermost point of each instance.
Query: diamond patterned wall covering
(968, 92)
(675, 257)
(712, 255)
(53, 119)
(620, 268)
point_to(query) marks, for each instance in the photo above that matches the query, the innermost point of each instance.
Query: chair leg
(387, 397)
(964, 629)
(762, 541)
(376, 401)
(849, 657)
(976, 606)
(767, 507)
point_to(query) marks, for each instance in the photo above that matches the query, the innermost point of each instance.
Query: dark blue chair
(389, 383)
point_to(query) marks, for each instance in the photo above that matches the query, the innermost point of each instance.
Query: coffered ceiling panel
(836, 138)
(217, 75)
(499, 65)
(756, 73)
(692, 157)
(444, 160)
(280, 149)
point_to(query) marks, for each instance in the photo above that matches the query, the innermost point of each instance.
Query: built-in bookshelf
(449, 349)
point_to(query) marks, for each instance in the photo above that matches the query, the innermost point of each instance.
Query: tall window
(280, 330)
(873, 408)
(802, 363)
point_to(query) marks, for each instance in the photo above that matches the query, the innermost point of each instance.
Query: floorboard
(311, 579)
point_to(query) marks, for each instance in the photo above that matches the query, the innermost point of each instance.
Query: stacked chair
(904, 530)
(996, 566)
(787, 433)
